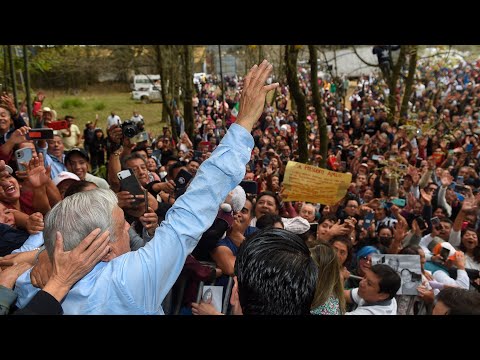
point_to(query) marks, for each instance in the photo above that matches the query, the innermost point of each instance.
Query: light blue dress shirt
(57, 166)
(137, 282)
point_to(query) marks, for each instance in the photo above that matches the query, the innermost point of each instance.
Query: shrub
(72, 102)
(98, 105)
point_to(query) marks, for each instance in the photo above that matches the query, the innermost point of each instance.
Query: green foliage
(112, 100)
(72, 103)
(98, 105)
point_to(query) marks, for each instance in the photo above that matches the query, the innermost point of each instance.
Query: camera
(130, 129)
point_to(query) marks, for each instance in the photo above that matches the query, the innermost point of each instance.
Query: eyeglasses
(365, 258)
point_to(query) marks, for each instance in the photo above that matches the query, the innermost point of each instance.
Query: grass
(102, 100)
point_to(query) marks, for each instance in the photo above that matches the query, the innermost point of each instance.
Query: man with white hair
(136, 282)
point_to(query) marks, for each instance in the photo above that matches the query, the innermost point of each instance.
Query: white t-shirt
(387, 307)
(113, 120)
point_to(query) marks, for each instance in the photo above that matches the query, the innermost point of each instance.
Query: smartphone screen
(367, 221)
(444, 254)
(421, 223)
(436, 223)
(39, 134)
(460, 180)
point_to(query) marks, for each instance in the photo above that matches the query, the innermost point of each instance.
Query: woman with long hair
(329, 297)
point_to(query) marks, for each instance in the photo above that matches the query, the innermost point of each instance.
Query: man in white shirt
(113, 119)
(376, 293)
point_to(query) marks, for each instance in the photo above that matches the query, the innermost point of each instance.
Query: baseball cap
(65, 175)
(78, 151)
(9, 169)
(47, 109)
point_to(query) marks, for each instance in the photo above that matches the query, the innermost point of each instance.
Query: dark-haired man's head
(270, 221)
(275, 274)
(380, 283)
(457, 301)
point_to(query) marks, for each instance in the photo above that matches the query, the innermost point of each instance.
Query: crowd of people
(414, 191)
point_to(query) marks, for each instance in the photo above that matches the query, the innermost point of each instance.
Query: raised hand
(446, 179)
(426, 197)
(37, 175)
(35, 223)
(8, 103)
(253, 94)
(149, 221)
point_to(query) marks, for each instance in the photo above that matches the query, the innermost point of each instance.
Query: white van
(145, 82)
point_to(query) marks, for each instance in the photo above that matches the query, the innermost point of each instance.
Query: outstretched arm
(162, 259)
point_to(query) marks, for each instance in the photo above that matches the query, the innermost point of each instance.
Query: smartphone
(58, 125)
(313, 227)
(140, 137)
(460, 197)
(197, 154)
(145, 193)
(130, 183)
(182, 179)
(367, 220)
(399, 202)
(250, 187)
(39, 134)
(421, 223)
(460, 188)
(469, 148)
(23, 156)
(387, 204)
(375, 157)
(436, 223)
(460, 180)
(444, 253)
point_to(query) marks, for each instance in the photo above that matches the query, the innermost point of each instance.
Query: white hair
(78, 215)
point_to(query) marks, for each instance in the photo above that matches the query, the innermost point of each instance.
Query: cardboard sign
(304, 182)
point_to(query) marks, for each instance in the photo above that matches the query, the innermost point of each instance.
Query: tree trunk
(317, 102)
(412, 65)
(187, 99)
(392, 85)
(291, 55)
(161, 59)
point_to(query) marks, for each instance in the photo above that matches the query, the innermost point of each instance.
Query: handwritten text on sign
(304, 182)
